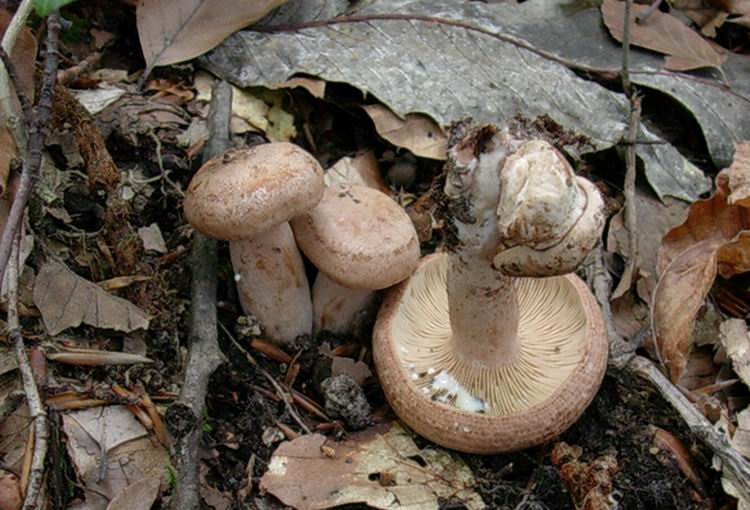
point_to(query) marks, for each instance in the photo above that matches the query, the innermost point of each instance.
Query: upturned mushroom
(247, 197)
(485, 360)
(360, 239)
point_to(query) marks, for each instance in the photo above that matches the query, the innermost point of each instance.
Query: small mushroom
(359, 238)
(472, 357)
(247, 197)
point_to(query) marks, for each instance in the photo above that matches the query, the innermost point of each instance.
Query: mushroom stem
(272, 283)
(483, 310)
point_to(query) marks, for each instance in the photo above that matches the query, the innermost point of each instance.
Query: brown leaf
(738, 175)
(416, 132)
(376, 467)
(678, 297)
(66, 300)
(138, 495)
(361, 169)
(173, 31)
(712, 220)
(685, 49)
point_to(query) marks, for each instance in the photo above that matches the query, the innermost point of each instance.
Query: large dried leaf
(678, 297)
(450, 71)
(416, 132)
(381, 467)
(173, 31)
(66, 300)
(111, 435)
(662, 32)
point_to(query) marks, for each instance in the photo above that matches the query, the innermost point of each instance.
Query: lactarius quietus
(247, 197)
(359, 238)
(485, 360)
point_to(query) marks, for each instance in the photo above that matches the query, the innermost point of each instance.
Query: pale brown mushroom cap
(535, 397)
(243, 193)
(358, 237)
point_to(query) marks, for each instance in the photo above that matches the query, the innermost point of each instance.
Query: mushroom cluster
(359, 238)
(494, 345)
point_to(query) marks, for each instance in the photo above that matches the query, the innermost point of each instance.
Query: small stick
(184, 416)
(34, 400)
(65, 76)
(643, 16)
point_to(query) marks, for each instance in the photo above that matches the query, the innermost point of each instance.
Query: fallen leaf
(685, 49)
(66, 300)
(91, 357)
(10, 491)
(416, 132)
(738, 176)
(111, 435)
(357, 370)
(96, 100)
(735, 339)
(741, 436)
(139, 495)
(380, 467)
(679, 295)
(152, 238)
(361, 169)
(314, 86)
(173, 31)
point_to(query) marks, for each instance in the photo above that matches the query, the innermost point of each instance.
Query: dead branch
(37, 135)
(185, 416)
(65, 76)
(36, 407)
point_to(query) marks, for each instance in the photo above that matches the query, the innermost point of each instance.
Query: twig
(184, 417)
(65, 76)
(644, 15)
(17, 22)
(625, 73)
(37, 135)
(283, 395)
(10, 68)
(36, 407)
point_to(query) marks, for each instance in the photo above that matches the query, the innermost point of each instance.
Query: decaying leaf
(738, 176)
(662, 32)
(138, 495)
(361, 169)
(741, 437)
(736, 342)
(381, 467)
(152, 238)
(112, 435)
(357, 370)
(173, 31)
(66, 300)
(416, 132)
(679, 295)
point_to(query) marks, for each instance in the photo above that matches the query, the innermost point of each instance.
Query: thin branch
(37, 135)
(26, 108)
(625, 73)
(34, 400)
(185, 416)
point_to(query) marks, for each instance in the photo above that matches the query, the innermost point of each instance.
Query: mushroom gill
(552, 334)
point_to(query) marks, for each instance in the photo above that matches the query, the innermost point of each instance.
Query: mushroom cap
(358, 237)
(243, 193)
(554, 376)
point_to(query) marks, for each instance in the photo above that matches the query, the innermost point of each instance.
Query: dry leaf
(741, 437)
(91, 357)
(10, 491)
(111, 435)
(361, 169)
(139, 495)
(416, 132)
(381, 467)
(357, 370)
(685, 49)
(66, 300)
(173, 31)
(152, 238)
(678, 297)
(314, 86)
(736, 342)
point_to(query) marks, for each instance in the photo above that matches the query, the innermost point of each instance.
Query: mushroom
(360, 239)
(483, 360)
(247, 197)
